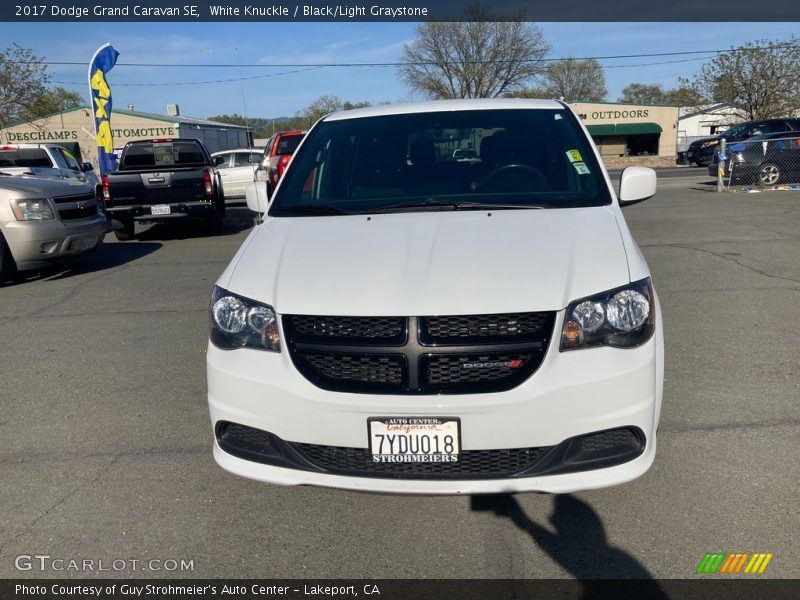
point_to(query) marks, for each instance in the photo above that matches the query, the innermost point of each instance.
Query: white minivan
(404, 322)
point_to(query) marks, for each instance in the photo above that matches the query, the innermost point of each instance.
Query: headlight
(737, 157)
(32, 209)
(709, 143)
(622, 317)
(238, 322)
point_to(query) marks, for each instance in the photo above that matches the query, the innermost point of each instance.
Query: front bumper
(572, 394)
(36, 244)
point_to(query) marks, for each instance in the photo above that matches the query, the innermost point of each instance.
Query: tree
(262, 128)
(23, 80)
(53, 101)
(643, 93)
(574, 79)
(305, 118)
(685, 96)
(480, 57)
(761, 79)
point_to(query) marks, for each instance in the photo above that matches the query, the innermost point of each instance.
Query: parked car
(46, 160)
(766, 159)
(236, 169)
(161, 180)
(701, 152)
(401, 322)
(44, 220)
(277, 154)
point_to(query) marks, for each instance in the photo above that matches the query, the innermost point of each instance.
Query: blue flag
(102, 62)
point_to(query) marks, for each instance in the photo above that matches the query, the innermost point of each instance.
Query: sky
(272, 92)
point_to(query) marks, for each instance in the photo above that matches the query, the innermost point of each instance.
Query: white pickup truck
(46, 160)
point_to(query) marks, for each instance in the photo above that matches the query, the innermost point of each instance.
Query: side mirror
(87, 166)
(636, 184)
(256, 196)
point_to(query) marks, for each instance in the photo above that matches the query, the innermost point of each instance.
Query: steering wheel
(499, 171)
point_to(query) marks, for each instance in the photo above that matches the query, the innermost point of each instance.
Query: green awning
(624, 129)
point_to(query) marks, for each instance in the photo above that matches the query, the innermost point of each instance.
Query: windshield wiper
(432, 205)
(311, 209)
(490, 206)
(451, 205)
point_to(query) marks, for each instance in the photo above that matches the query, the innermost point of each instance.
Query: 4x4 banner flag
(102, 62)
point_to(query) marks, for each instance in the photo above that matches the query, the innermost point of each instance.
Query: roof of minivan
(444, 105)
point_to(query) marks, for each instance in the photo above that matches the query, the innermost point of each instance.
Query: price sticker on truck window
(581, 168)
(574, 156)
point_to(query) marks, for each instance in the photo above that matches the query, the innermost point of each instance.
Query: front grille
(460, 329)
(418, 355)
(80, 206)
(591, 451)
(365, 369)
(77, 213)
(76, 198)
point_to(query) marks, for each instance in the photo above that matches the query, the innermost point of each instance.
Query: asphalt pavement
(106, 450)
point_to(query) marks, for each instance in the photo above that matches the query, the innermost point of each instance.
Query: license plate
(160, 209)
(414, 439)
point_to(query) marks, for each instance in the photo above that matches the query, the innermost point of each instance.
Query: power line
(395, 64)
(198, 82)
(301, 67)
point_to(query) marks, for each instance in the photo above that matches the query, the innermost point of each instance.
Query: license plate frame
(410, 444)
(160, 209)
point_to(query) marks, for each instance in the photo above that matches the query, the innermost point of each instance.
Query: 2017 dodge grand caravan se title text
(403, 322)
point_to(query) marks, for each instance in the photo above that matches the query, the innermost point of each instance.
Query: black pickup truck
(161, 180)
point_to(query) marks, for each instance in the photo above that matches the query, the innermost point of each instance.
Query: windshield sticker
(574, 156)
(581, 168)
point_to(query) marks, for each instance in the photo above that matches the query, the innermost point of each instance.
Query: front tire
(8, 267)
(769, 174)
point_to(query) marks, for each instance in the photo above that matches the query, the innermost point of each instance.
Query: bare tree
(761, 79)
(23, 80)
(574, 79)
(480, 57)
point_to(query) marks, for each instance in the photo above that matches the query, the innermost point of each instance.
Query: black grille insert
(366, 369)
(460, 329)
(346, 329)
(77, 213)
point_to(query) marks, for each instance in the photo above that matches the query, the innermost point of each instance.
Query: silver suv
(43, 220)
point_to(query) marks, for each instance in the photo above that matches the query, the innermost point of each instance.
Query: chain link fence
(762, 163)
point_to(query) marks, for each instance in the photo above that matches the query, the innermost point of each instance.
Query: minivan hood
(431, 263)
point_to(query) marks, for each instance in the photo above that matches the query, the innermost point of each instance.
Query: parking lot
(107, 441)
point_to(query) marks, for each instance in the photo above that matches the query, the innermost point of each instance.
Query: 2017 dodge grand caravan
(403, 322)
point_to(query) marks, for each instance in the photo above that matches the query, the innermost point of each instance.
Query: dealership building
(620, 130)
(74, 129)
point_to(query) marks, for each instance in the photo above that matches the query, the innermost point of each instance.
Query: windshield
(520, 158)
(740, 130)
(157, 154)
(25, 157)
(288, 144)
